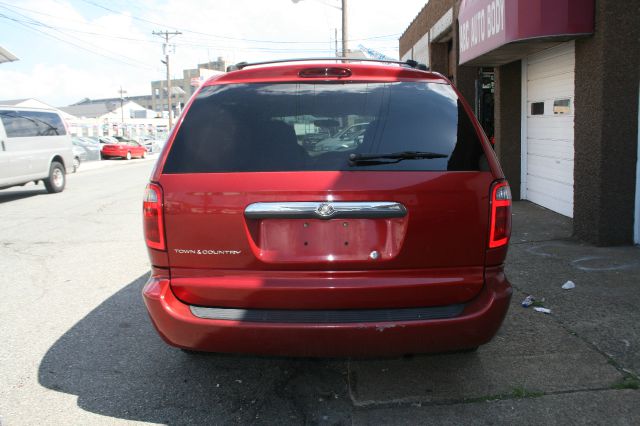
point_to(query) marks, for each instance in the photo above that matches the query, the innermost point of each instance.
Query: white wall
(421, 50)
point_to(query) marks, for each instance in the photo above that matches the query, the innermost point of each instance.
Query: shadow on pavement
(117, 366)
(7, 196)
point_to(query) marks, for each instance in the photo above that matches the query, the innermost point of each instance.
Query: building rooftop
(92, 110)
(6, 56)
(13, 101)
(87, 101)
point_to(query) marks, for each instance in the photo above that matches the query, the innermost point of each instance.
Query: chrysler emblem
(325, 210)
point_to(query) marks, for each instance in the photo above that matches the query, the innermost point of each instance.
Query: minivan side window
(19, 124)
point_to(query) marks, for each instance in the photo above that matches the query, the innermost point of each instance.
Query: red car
(127, 149)
(391, 247)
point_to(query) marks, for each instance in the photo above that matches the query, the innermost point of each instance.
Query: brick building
(556, 82)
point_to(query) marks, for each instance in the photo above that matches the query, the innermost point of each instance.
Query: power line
(63, 30)
(203, 43)
(34, 22)
(30, 23)
(30, 27)
(194, 43)
(74, 30)
(227, 37)
(117, 57)
(66, 19)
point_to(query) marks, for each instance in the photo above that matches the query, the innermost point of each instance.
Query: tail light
(500, 215)
(153, 217)
(325, 72)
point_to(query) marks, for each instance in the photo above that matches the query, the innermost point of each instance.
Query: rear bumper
(477, 324)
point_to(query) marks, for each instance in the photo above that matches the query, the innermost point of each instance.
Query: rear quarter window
(31, 123)
(316, 126)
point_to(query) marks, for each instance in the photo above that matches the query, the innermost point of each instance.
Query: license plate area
(335, 240)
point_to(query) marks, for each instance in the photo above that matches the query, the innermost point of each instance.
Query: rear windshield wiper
(394, 157)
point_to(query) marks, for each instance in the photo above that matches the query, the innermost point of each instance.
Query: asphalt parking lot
(78, 348)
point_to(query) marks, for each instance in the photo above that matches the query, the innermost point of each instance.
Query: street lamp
(345, 37)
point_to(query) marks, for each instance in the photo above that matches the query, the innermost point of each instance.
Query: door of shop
(550, 88)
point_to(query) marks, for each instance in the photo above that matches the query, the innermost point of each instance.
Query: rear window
(31, 123)
(316, 126)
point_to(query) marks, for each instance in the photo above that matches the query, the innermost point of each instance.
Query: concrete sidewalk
(577, 365)
(604, 308)
(99, 164)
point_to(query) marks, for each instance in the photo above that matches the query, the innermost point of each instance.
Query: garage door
(550, 111)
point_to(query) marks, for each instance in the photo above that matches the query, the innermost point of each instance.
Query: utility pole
(335, 31)
(345, 37)
(166, 35)
(122, 93)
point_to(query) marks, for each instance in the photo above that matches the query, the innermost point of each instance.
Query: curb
(100, 164)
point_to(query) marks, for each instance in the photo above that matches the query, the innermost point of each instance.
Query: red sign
(487, 25)
(482, 27)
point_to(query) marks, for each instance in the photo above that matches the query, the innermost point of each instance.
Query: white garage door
(549, 128)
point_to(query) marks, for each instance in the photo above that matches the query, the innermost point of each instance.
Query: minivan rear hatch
(392, 210)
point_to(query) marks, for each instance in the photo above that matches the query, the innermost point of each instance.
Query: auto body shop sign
(482, 27)
(487, 26)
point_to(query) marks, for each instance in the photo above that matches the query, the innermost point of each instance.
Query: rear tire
(128, 157)
(76, 164)
(143, 155)
(57, 180)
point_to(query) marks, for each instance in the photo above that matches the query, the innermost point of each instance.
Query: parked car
(92, 139)
(126, 150)
(391, 247)
(34, 146)
(107, 140)
(89, 150)
(95, 140)
(152, 145)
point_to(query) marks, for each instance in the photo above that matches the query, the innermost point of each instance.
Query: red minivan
(389, 244)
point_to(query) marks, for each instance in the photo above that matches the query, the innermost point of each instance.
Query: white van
(34, 146)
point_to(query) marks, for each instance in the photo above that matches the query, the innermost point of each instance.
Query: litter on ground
(528, 301)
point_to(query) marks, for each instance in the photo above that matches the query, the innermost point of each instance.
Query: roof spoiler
(408, 63)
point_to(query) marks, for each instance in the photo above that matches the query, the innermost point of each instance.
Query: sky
(74, 49)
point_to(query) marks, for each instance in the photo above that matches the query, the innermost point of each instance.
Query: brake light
(325, 72)
(500, 215)
(153, 220)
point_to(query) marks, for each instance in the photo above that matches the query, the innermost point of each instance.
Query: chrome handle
(325, 210)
